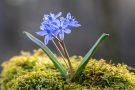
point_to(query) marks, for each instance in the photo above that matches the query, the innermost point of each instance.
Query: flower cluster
(54, 25)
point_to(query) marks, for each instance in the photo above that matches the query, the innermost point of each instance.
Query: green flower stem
(67, 56)
(63, 47)
(57, 38)
(60, 52)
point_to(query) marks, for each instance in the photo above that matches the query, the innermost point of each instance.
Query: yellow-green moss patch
(37, 72)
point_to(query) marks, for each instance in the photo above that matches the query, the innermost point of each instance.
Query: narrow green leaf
(49, 54)
(87, 57)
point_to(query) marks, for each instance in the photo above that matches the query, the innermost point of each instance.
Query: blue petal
(58, 15)
(45, 17)
(42, 27)
(67, 31)
(50, 37)
(53, 16)
(62, 21)
(46, 39)
(68, 15)
(76, 25)
(61, 35)
(42, 33)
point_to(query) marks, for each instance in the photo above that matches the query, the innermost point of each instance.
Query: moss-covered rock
(37, 72)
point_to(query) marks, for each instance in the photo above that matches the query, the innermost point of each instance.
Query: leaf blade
(49, 54)
(89, 55)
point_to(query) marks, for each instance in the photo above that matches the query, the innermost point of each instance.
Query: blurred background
(116, 17)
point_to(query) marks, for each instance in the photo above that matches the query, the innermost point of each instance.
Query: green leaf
(87, 57)
(49, 54)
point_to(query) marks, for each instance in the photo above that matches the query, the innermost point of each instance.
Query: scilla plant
(53, 29)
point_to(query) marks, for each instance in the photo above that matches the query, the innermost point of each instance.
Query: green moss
(37, 72)
(37, 80)
(109, 76)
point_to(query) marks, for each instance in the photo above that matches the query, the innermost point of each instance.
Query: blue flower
(64, 25)
(53, 25)
(52, 17)
(71, 21)
(47, 28)
(48, 33)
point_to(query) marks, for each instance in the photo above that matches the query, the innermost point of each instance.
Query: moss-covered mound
(37, 72)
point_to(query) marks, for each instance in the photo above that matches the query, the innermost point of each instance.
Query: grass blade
(49, 54)
(87, 57)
